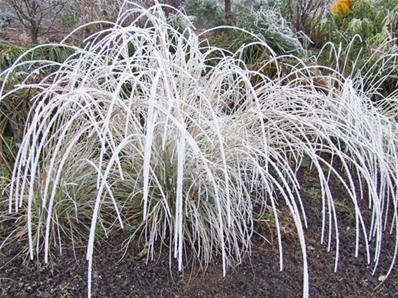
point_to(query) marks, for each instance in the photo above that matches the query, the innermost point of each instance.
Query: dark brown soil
(257, 276)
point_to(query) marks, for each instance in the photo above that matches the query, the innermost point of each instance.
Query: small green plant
(269, 217)
(347, 212)
(314, 192)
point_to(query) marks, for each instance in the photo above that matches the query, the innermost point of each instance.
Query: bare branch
(31, 14)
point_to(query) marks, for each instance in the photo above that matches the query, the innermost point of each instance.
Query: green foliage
(363, 42)
(304, 15)
(15, 109)
(314, 192)
(206, 12)
(247, 5)
(269, 217)
(345, 210)
(373, 21)
(69, 18)
(266, 25)
(4, 21)
(180, 22)
(8, 54)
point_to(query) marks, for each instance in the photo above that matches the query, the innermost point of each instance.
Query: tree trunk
(34, 35)
(228, 11)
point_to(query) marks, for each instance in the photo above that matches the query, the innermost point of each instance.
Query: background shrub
(207, 12)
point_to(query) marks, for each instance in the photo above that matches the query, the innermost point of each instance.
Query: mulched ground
(257, 276)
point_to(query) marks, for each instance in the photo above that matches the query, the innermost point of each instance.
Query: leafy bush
(363, 40)
(146, 121)
(373, 21)
(14, 110)
(8, 54)
(207, 12)
(265, 25)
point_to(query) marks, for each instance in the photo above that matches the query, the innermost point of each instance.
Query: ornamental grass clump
(148, 122)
